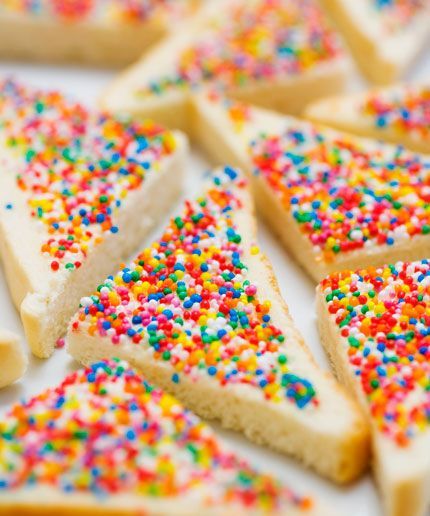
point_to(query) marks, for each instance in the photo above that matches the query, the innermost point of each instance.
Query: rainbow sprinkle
(253, 41)
(345, 195)
(406, 111)
(383, 316)
(188, 301)
(105, 431)
(77, 167)
(122, 11)
(398, 14)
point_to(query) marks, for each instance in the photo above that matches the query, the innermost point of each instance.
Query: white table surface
(359, 499)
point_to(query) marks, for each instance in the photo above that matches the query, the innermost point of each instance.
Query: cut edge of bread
(383, 59)
(47, 306)
(172, 108)
(287, 94)
(45, 498)
(339, 451)
(49, 501)
(219, 139)
(343, 112)
(91, 42)
(14, 361)
(402, 474)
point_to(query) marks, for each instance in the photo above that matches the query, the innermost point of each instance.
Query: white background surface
(361, 498)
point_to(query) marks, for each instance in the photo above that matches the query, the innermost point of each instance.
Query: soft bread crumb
(13, 359)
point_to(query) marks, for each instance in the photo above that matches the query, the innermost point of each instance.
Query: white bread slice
(388, 374)
(294, 163)
(280, 54)
(105, 442)
(13, 359)
(384, 37)
(212, 328)
(399, 114)
(111, 33)
(55, 164)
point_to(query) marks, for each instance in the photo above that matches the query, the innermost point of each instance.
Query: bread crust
(403, 493)
(339, 452)
(343, 112)
(47, 300)
(223, 142)
(89, 42)
(51, 502)
(13, 359)
(382, 57)
(287, 94)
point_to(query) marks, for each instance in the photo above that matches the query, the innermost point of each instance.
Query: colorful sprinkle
(77, 167)
(396, 14)
(406, 111)
(188, 301)
(259, 40)
(343, 194)
(123, 11)
(104, 430)
(383, 316)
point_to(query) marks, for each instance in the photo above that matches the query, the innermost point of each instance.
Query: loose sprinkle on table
(383, 315)
(75, 167)
(105, 431)
(254, 41)
(406, 111)
(189, 302)
(345, 195)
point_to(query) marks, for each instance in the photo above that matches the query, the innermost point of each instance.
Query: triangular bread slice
(78, 192)
(385, 37)
(399, 114)
(375, 326)
(200, 314)
(276, 53)
(104, 441)
(110, 33)
(336, 201)
(13, 359)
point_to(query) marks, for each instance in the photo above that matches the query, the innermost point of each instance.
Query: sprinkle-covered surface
(398, 14)
(406, 111)
(122, 11)
(189, 302)
(105, 431)
(383, 316)
(251, 41)
(76, 168)
(343, 194)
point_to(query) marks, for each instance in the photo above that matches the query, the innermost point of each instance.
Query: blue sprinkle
(126, 277)
(232, 174)
(212, 370)
(130, 435)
